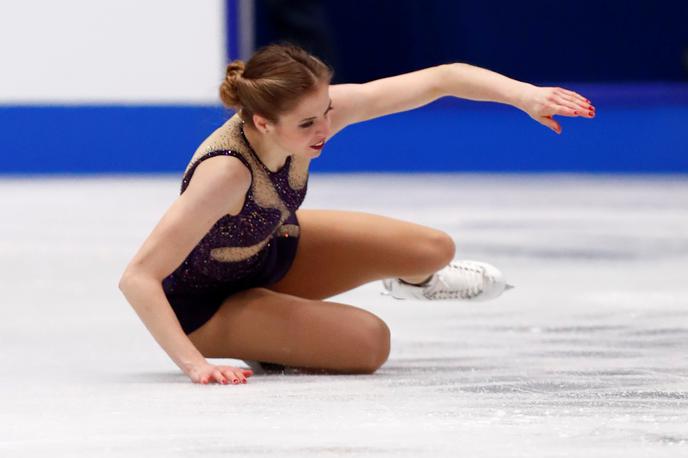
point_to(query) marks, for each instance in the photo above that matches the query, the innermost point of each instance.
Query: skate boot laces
(458, 280)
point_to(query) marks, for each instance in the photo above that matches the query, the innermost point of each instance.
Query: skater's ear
(262, 124)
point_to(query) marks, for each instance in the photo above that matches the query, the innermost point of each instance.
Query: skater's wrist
(192, 365)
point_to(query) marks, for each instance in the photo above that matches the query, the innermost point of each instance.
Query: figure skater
(235, 270)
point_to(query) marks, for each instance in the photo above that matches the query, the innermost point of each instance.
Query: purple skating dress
(254, 248)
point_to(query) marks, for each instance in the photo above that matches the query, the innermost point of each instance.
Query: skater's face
(304, 130)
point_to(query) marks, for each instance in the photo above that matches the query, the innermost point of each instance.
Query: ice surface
(586, 357)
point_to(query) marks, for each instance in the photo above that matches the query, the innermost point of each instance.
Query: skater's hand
(541, 103)
(210, 373)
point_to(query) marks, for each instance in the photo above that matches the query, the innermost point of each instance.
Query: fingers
(570, 108)
(233, 376)
(569, 103)
(551, 123)
(581, 106)
(573, 95)
(583, 109)
(238, 377)
(565, 111)
(219, 378)
(200, 377)
(572, 112)
(234, 373)
(224, 375)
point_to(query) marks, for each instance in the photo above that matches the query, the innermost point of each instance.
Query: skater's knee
(438, 248)
(374, 345)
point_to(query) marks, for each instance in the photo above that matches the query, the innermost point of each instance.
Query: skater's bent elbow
(130, 278)
(123, 281)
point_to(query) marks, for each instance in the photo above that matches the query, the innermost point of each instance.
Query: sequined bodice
(235, 245)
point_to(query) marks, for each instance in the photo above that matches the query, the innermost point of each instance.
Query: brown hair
(272, 82)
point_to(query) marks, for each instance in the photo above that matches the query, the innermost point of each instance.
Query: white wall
(111, 51)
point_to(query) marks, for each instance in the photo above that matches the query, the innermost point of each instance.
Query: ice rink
(586, 357)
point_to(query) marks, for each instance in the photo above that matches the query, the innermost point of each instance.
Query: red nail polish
(575, 112)
(591, 113)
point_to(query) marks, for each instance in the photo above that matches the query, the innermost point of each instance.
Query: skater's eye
(309, 123)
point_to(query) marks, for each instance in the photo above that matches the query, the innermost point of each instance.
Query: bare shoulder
(219, 179)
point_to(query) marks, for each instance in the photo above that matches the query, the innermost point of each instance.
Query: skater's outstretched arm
(360, 102)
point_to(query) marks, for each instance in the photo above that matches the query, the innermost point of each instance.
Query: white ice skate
(459, 280)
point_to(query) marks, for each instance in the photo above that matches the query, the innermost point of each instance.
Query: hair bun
(229, 88)
(235, 69)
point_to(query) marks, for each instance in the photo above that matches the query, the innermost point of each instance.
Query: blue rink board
(636, 130)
